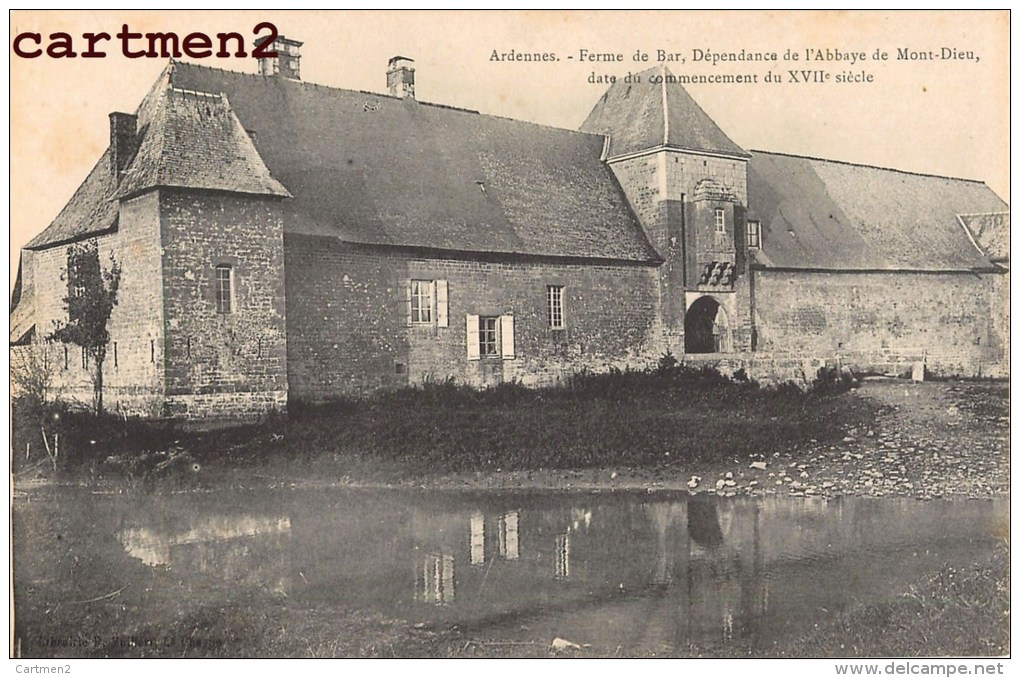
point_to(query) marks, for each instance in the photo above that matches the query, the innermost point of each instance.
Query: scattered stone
(759, 465)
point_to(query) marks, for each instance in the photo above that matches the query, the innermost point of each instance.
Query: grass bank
(659, 419)
(955, 613)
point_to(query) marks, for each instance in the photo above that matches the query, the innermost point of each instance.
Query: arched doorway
(706, 329)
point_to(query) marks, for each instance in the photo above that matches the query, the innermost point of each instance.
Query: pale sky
(941, 117)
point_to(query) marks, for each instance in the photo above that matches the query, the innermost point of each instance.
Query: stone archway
(706, 327)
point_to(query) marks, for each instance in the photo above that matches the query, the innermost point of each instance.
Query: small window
(224, 289)
(554, 296)
(421, 302)
(488, 338)
(754, 234)
(84, 358)
(720, 220)
(427, 302)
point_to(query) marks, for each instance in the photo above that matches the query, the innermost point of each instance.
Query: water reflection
(509, 544)
(247, 549)
(648, 573)
(436, 583)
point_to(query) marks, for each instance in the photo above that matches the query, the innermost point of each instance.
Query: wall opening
(706, 328)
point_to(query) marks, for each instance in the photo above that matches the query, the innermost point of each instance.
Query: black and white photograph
(511, 334)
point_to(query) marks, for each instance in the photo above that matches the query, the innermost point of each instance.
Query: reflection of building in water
(563, 556)
(477, 539)
(580, 517)
(245, 549)
(434, 580)
(509, 542)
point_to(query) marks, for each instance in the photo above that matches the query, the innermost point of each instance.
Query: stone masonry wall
(229, 365)
(348, 330)
(660, 188)
(133, 377)
(650, 179)
(951, 318)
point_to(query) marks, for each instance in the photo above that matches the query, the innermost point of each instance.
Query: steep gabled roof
(653, 111)
(187, 140)
(194, 140)
(824, 214)
(374, 169)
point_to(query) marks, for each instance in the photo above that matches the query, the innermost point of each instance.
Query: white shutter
(442, 310)
(506, 336)
(406, 284)
(472, 337)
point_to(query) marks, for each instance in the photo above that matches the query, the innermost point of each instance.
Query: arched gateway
(706, 328)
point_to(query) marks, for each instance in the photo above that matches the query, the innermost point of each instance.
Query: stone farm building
(283, 241)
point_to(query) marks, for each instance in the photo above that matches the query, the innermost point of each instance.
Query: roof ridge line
(384, 95)
(665, 108)
(878, 167)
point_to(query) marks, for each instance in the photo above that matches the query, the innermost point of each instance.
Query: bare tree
(91, 296)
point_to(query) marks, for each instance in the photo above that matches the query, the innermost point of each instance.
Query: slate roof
(374, 169)
(825, 214)
(88, 212)
(194, 140)
(639, 116)
(369, 168)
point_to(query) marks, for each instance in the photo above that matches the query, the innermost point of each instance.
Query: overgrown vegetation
(91, 296)
(954, 613)
(658, 418)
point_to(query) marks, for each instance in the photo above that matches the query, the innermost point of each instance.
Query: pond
(628, 572)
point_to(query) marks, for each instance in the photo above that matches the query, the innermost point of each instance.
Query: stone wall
(348, 329)
(223, 364)
(133, 372)
(671, 175)
(661, 189)
(951, 318)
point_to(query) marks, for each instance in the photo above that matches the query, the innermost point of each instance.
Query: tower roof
(652, 111)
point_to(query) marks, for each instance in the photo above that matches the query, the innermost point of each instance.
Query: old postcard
(510, 334)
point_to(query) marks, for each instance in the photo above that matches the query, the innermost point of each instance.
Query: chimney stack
(286, 63)
(123, 142)
(400, 77)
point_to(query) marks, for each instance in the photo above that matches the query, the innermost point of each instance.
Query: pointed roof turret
(656, 111)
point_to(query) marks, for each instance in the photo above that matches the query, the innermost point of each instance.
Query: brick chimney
(123, 142)
(286, 63)
(400, 77)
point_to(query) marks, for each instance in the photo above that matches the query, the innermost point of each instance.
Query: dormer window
(754, 234)
(720, 220)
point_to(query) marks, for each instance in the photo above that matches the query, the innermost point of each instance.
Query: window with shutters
(490, 337)
(427, 302)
